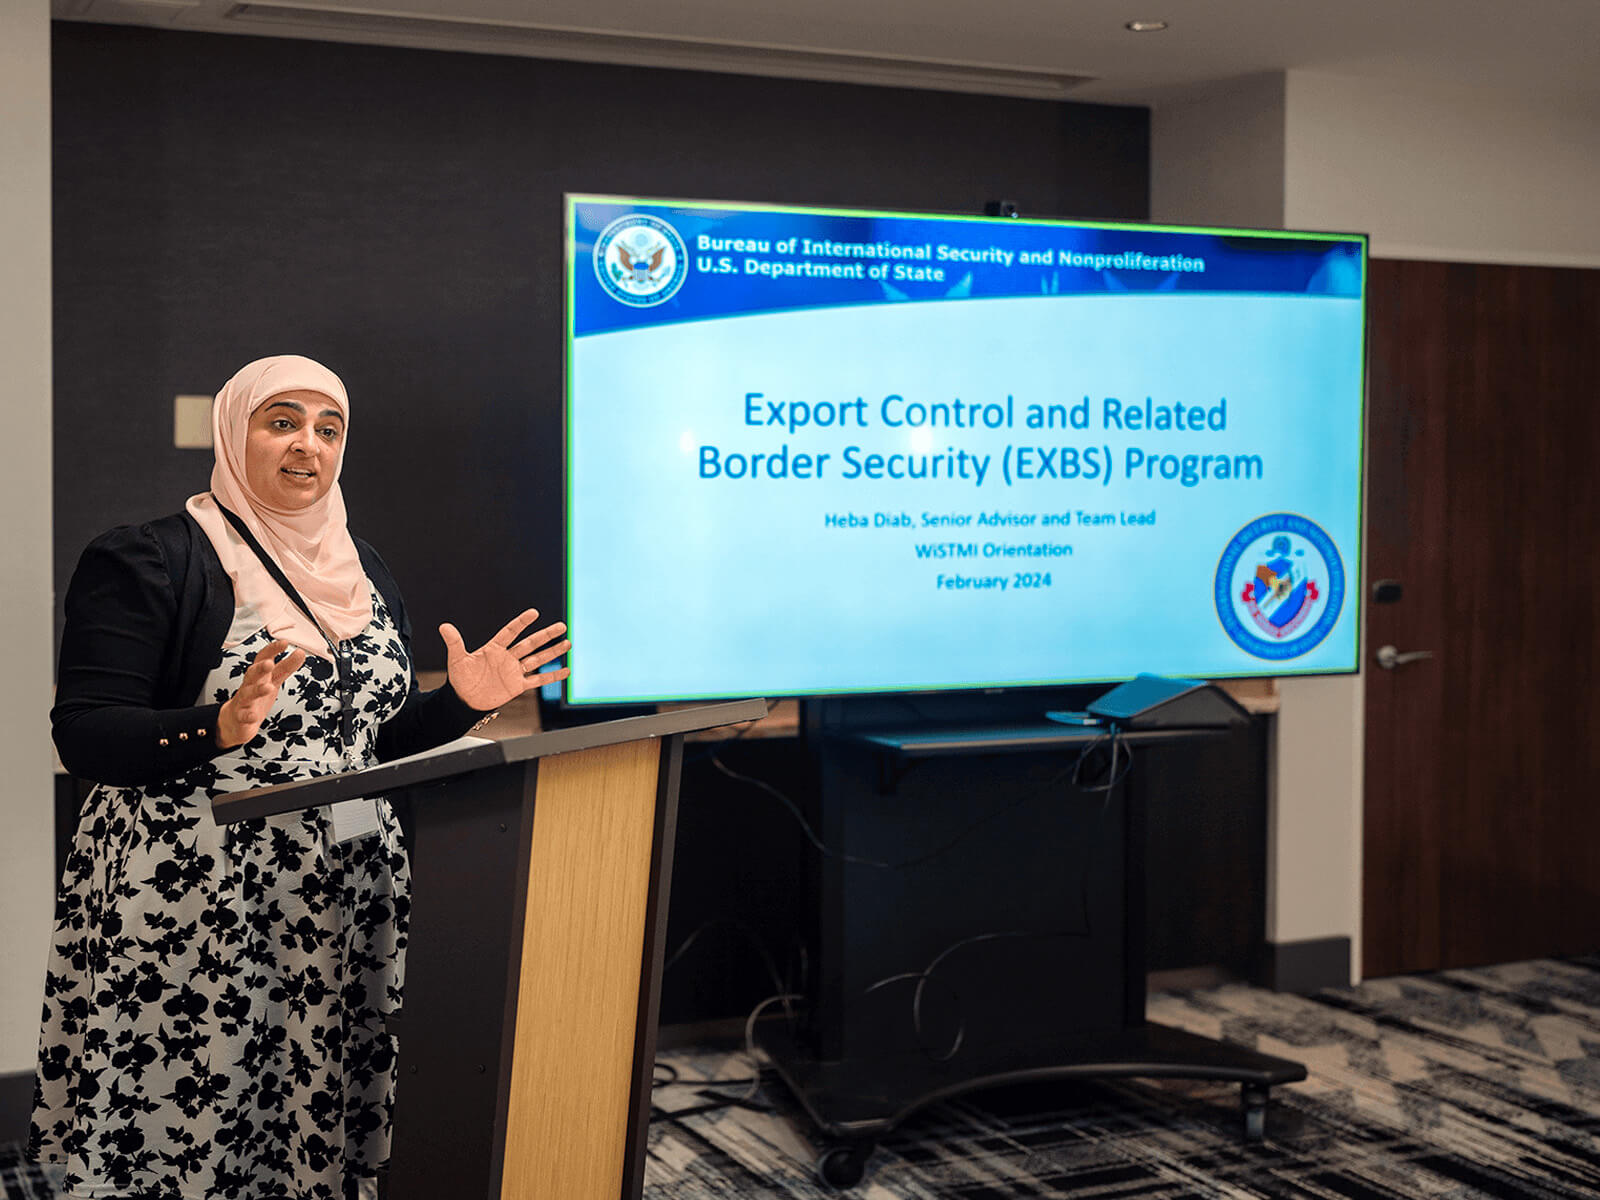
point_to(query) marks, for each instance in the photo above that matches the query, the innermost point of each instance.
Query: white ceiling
(1020, 47)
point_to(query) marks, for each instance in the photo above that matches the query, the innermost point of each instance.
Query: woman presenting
(214, 1007)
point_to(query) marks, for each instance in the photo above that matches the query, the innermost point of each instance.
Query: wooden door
(1482, 829)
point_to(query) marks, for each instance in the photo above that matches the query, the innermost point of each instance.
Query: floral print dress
(215, 1000)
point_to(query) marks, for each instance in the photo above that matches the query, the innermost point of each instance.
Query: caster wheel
(843, 1166)
(1253, 1104)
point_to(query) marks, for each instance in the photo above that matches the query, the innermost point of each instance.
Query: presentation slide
(814, 452)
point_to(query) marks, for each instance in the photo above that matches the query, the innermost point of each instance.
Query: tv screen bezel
(1355, 577)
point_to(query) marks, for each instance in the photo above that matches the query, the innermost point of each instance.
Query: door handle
(1389, 658)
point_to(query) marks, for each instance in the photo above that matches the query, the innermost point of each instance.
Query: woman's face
(292, 449)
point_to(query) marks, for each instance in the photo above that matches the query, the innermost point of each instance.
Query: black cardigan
(147, 611)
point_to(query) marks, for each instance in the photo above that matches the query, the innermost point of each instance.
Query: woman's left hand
(503, 668)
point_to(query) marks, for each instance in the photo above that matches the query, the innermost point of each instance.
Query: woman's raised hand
(503, 668)
(242, 713)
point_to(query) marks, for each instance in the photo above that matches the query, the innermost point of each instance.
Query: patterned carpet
(1482, 1083)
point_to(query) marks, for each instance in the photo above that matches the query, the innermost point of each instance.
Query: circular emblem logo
(1280, 586)
(640, 260)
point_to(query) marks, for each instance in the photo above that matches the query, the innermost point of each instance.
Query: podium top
(473, 755)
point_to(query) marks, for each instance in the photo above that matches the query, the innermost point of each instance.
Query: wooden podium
(540, 872)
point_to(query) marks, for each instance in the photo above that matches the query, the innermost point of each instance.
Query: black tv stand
(981, 833)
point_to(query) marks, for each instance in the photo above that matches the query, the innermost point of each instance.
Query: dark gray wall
(397, 214)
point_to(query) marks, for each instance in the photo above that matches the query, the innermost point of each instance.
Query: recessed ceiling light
(1145, 26)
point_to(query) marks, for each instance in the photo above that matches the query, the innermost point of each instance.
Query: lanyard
(341, 650)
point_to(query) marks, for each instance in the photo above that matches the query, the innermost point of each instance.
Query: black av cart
(979, 919)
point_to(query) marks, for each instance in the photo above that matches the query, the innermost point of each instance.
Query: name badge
(353, 819)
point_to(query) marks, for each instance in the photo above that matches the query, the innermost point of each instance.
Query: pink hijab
(311, 545)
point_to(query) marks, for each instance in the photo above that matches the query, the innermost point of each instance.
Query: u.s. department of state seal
(640, 260)
(1280, 586)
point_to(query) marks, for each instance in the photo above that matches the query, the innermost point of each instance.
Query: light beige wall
(1428, 172)
(1458, 175)
(1314, 826)
(26, 843)
(1216, 157)
(1219, 156)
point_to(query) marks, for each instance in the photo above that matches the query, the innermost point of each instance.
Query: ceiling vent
(590, 45)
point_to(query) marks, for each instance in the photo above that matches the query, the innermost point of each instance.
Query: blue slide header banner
(657, 263)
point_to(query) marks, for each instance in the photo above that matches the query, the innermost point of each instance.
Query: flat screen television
(824, 451)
